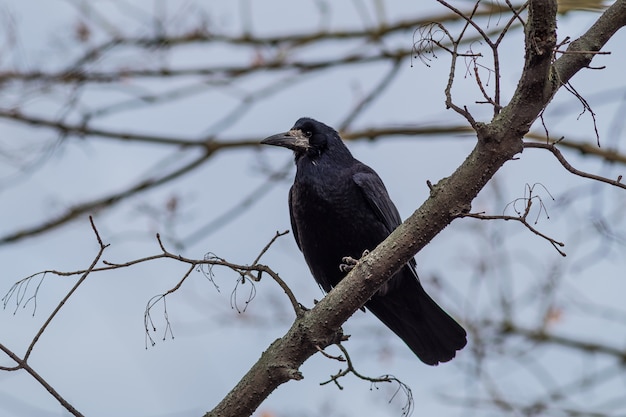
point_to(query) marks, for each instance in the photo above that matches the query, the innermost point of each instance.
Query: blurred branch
(93, 206)
(370, 133)
(540, 335)
(201, 35)
(83, 130)
(374, 94)
(211, 146)
(219, 72)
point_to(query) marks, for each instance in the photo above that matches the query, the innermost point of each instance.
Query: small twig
(22, 364)
(338, 358)
(586, 107)
(271, 242)
(582, 52)
(147, 317)
(250, 297)
(407, 409)
(559, 156)
(522, 218)
(482, 87)
(69, 294)
(211, 260)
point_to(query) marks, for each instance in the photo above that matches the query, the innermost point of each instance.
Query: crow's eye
(308, 133)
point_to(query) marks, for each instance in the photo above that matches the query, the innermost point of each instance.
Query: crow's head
(307, 137)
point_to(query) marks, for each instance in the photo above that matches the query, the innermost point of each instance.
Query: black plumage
(340, 207)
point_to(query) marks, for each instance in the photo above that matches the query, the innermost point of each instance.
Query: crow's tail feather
(410, 313)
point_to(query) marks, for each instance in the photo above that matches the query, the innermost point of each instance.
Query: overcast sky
(95, 352)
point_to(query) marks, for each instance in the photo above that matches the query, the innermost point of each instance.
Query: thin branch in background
(147, 98)
(374, 94)
(251, 99)
(565, 341)
(82, 130)
(216, 73)
(201, 35)
(237, 209)
(79, 210)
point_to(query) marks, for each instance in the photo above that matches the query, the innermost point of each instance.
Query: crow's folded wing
(376, 195)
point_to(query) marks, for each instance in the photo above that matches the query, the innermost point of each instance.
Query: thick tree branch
(498, 142)
(449, 198)
(573, 60)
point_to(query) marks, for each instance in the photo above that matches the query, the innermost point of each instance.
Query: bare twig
(559, 156)
(522, 217)
(407, 408)
(270, 243)
(69, 294)
(147, 317)
(22, 364)
(375, 92)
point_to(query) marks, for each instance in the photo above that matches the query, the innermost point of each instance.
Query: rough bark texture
(498, 142)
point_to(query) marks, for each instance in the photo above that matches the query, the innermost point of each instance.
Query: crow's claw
(348, 262)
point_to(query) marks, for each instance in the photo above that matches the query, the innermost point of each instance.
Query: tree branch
(559, 156)
(24, 365)
(498, 142)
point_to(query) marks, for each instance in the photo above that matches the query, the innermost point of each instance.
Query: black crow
(340, 208)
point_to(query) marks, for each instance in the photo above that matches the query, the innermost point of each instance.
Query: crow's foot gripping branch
(348, 262)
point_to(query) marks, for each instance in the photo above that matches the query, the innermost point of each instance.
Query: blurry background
(146, 114)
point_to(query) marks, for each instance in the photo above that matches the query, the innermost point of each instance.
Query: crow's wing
(294, 227)
(377, 197)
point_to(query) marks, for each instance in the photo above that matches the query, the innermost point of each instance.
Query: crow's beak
(294, 140)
